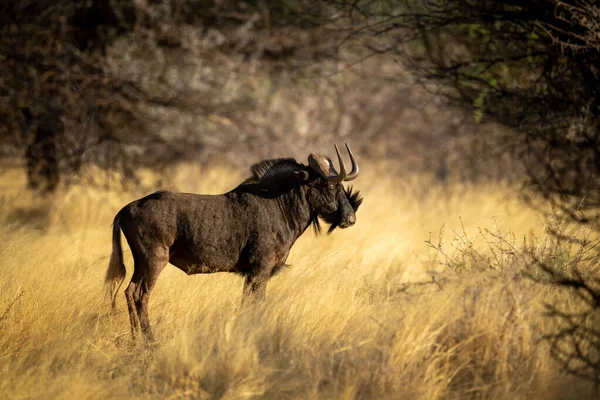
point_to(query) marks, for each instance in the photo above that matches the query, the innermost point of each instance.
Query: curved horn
(342, 175)
(354, 173)
(324, 167)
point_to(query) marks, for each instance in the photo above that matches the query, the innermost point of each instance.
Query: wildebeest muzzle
(347, 220)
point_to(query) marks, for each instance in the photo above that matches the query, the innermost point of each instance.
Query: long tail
(115, 274)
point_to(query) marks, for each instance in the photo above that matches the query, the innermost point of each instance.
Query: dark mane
(271, 178)
(273, 168)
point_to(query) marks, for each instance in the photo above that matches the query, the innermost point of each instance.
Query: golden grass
(340, 323)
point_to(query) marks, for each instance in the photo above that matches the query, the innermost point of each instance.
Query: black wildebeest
(249, 230)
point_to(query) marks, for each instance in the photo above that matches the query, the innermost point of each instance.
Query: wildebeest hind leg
(140, 270)
(158, 262)
(129, 295)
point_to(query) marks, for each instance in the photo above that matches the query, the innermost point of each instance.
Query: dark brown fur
(249, 230)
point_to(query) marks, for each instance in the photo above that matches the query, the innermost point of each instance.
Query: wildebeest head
(325, 193)
(318, 183)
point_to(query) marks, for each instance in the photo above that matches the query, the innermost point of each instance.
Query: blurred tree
(149, 83)
(530, 65)
(123, 84)
(42, 158)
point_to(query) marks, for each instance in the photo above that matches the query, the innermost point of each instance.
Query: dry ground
(341, 322)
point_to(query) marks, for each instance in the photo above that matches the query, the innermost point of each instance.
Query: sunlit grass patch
(368, 312)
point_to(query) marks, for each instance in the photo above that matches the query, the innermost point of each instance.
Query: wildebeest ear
(301, 175)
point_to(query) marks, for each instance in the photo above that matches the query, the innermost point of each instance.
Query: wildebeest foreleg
(255, 289)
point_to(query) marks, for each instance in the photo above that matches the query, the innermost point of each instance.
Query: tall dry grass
(342, 322)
